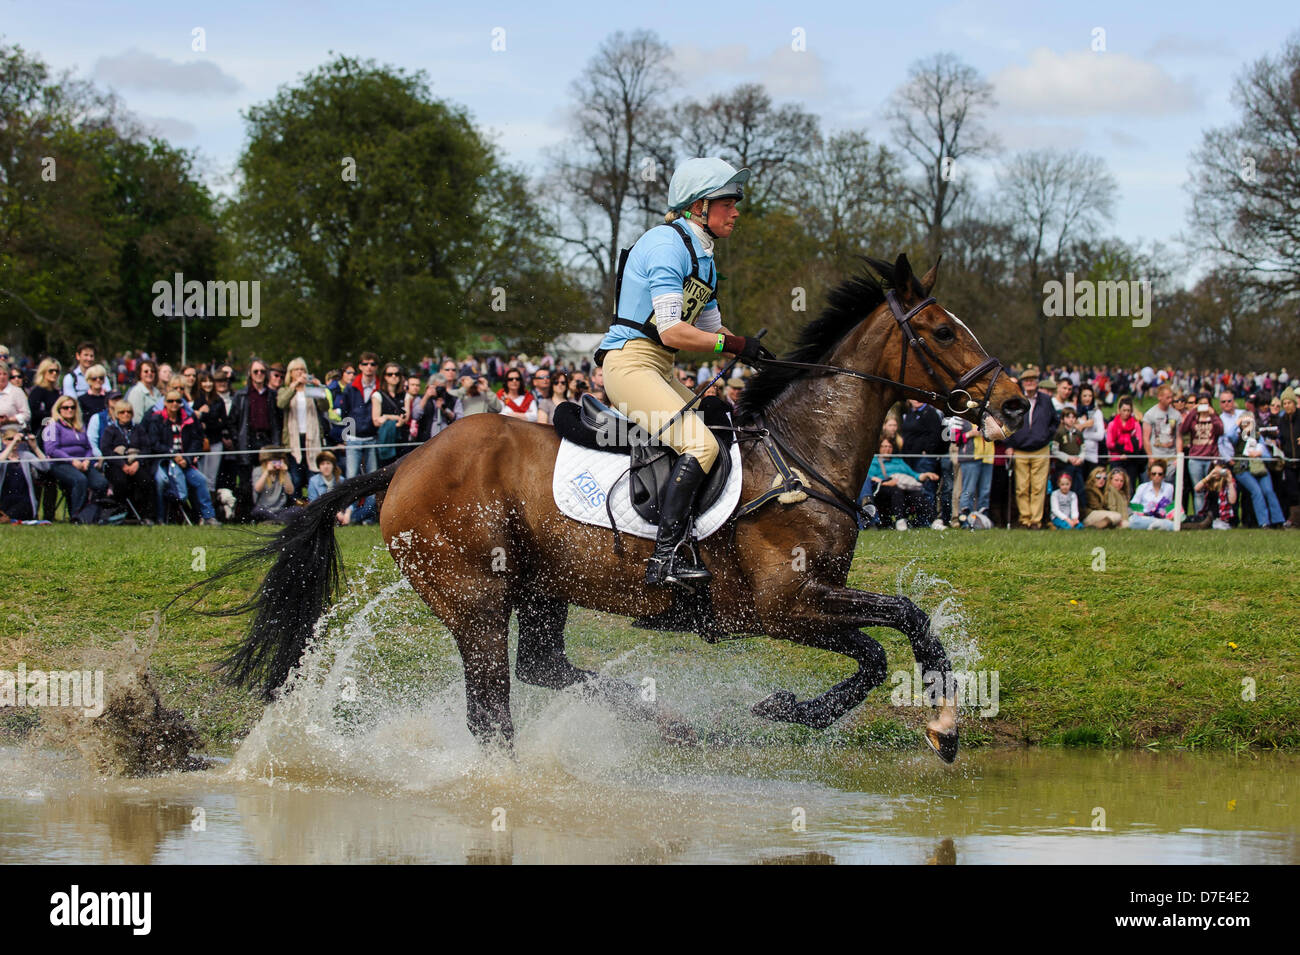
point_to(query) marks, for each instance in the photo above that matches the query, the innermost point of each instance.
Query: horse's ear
(930, 277)
(904, 280)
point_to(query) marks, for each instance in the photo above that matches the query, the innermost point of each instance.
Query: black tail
(299, 587)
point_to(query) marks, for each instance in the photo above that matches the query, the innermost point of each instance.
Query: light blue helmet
(708, 178)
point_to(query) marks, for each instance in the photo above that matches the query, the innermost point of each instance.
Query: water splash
(949, 620)
(136, 735)
(378, 700)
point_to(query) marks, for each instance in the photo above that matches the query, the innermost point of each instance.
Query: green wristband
(721, 338)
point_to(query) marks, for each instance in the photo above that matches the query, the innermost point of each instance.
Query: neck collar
(706, 238)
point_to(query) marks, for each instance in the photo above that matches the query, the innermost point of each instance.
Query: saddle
(593, 424)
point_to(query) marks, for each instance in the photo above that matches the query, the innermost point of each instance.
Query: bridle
(780, 452)
(962, 382)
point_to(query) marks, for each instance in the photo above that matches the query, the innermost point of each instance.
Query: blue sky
(1141, 105)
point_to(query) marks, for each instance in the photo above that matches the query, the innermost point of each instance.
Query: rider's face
(722, 216)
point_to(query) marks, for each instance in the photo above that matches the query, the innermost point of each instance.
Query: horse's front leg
(847, 609)
(821, 711)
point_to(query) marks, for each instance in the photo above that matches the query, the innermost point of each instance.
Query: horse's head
(934, 351)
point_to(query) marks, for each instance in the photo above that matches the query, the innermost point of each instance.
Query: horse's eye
(945, 334)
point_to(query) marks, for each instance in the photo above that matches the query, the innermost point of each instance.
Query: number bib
(696, 296)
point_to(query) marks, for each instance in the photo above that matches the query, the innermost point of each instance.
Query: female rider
(666, 301)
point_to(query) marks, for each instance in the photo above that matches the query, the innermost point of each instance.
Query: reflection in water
(732, 805)
(800, 858)
(945, 854)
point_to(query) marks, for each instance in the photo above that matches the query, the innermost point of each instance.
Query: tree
(771, 276)
(1227, 320)
(746, 129)
(91, 213)
(1245, 178)
(978, 282)
(852, 199)
(1052, 200)
(378, 217)
(937, 119)
(615, 165)
(1113, 340)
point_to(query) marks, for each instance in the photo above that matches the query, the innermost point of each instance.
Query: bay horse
(469, 518)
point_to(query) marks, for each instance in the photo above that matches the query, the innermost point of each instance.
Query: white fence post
(1178, 491)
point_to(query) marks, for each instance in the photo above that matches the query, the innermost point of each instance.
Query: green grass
(1150, 651)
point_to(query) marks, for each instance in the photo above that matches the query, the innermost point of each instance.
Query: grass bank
(1152, 643)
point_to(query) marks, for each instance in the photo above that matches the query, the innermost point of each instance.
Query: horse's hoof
(779, 707)
(944, 744)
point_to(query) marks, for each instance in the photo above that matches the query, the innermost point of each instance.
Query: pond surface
(575, 799)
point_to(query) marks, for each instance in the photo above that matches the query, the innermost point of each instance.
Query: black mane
(846, 306)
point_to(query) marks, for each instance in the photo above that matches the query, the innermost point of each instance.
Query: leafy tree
(91, 214)
(379, 218)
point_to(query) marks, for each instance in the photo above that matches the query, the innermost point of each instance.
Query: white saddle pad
(584, 478)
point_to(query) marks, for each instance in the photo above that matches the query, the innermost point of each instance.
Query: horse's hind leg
(485, 651)
(484, 646)
(821, 711)
(541, 660)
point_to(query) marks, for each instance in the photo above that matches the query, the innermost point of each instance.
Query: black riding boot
(672, 561)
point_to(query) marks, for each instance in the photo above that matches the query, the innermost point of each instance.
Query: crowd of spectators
(1086, 457)
(135, 439)
(132, 438)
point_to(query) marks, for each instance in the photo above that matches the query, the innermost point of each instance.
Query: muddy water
(654, 805)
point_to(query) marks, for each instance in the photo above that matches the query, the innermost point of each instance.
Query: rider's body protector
(668, 276)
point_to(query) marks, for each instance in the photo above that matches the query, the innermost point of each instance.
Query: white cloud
(785, 72)
(168, 127)
(1019, 136)
(1084, 83)
(136, 69)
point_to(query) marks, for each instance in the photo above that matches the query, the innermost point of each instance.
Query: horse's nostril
(1014, 411)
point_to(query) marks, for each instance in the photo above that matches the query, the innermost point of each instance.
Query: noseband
(961, 383)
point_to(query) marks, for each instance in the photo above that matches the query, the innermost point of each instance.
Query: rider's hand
(746, 348)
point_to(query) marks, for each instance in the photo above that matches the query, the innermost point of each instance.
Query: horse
(470, 520)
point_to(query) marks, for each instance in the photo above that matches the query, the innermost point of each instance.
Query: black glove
(748, 349)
